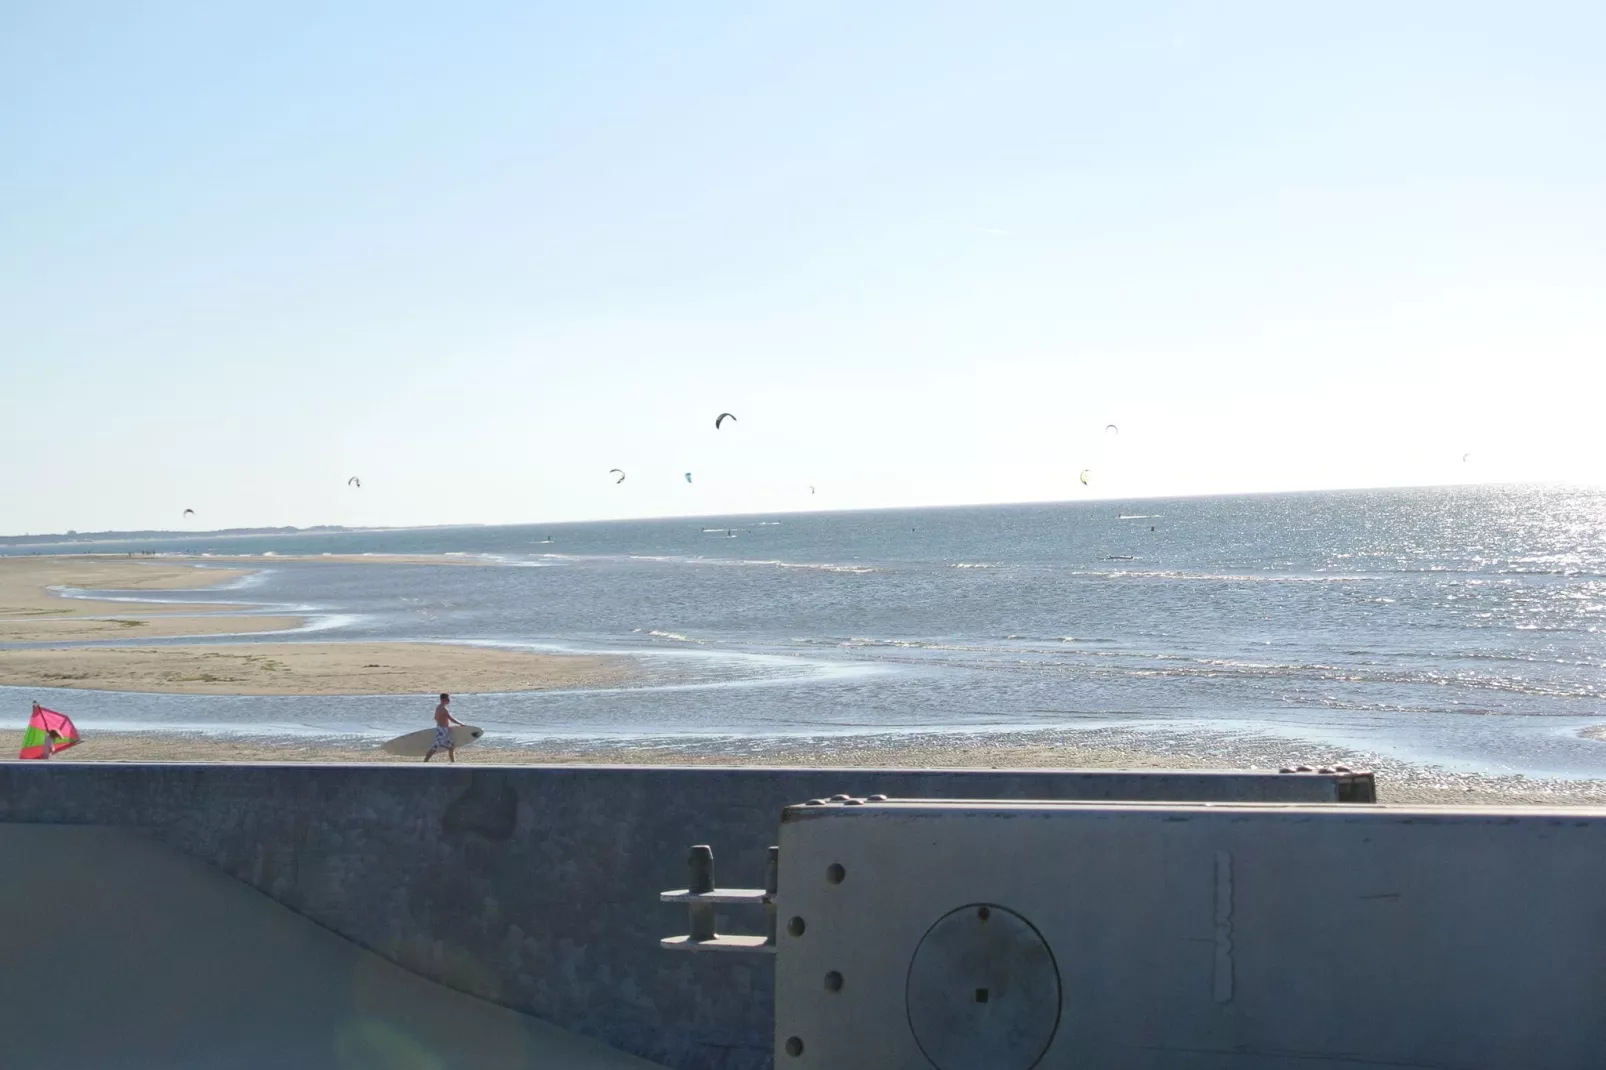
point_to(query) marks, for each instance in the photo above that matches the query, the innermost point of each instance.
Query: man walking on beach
(443, 730)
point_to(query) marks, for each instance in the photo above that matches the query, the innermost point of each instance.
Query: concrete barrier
(536, 887)
(993, 936)
(122, 952)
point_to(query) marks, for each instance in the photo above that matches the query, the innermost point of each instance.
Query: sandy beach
(380, 668)
(308, 669)
(31, 612)
(167, 626)
(1437, 789)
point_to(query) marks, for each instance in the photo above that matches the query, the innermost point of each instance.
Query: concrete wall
(1178, 937)
(536, 887)
(121, 953)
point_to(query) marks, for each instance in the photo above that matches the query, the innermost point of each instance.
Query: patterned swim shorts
(443, 737)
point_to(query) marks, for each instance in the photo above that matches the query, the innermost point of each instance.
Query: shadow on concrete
(120, 951)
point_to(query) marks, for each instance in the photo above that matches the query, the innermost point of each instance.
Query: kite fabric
(36, 740)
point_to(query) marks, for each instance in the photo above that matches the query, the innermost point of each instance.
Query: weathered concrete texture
(536, 887)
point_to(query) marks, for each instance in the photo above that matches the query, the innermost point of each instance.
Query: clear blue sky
(480, 253)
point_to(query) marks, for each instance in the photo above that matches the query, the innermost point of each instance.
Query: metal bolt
(833, 982)
(794, 1046)
(877, 798)
(834, 873)
(840, 798)
(853, 802)
(796, 926)
(815, 802)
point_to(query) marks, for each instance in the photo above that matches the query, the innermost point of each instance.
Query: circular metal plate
(983, 991)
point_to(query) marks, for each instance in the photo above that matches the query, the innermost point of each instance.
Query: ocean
(1456, 628)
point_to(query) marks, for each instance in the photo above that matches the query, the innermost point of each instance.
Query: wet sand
(309, 669)
(31, 612)
(174, 626)
(36, 614)
(1435, 789)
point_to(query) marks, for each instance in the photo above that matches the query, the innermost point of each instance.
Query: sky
(480, 253)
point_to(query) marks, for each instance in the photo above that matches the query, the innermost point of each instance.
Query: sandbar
(83, 629)
(308, 669)
(31, 612)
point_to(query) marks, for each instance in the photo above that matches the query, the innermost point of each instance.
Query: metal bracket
(701, 897)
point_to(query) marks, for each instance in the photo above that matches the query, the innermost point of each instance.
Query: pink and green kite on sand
(48, 732)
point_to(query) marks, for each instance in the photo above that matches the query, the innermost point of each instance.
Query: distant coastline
(90, 538)
(157, 533)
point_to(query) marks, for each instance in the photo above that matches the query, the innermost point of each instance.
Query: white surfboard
(417, 744)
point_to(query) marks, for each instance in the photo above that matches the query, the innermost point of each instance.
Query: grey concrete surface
(534, 887)
(122, 952)
(999, 936)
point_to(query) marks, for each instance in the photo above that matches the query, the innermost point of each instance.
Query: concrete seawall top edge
(698, 768)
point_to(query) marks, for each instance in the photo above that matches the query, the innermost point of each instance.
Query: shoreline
(309, 669)
(33, 609)
(1404, 786)
(380, 668)
(39, 619)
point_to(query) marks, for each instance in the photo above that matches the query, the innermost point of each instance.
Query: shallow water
(1464, 627)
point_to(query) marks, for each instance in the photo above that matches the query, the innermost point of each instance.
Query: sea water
(1457, 627)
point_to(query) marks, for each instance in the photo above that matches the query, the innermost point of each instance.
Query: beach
(31, 611)
(307, 669)
(1404, 787)
(1355, 628)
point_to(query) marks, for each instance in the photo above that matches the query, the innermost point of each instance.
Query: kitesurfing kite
(811, 488)
(621, 472)
(1084, 476)
(1465, 457)
(1112, 427)
(48, 732)
(721, 418)
(354, 482)
(688, 477)
(189, 512)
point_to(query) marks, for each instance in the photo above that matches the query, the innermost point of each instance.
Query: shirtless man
(443, 730)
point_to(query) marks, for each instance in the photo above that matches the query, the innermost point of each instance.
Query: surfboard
(417, 744)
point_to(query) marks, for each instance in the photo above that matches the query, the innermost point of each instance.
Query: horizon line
(241, 532)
